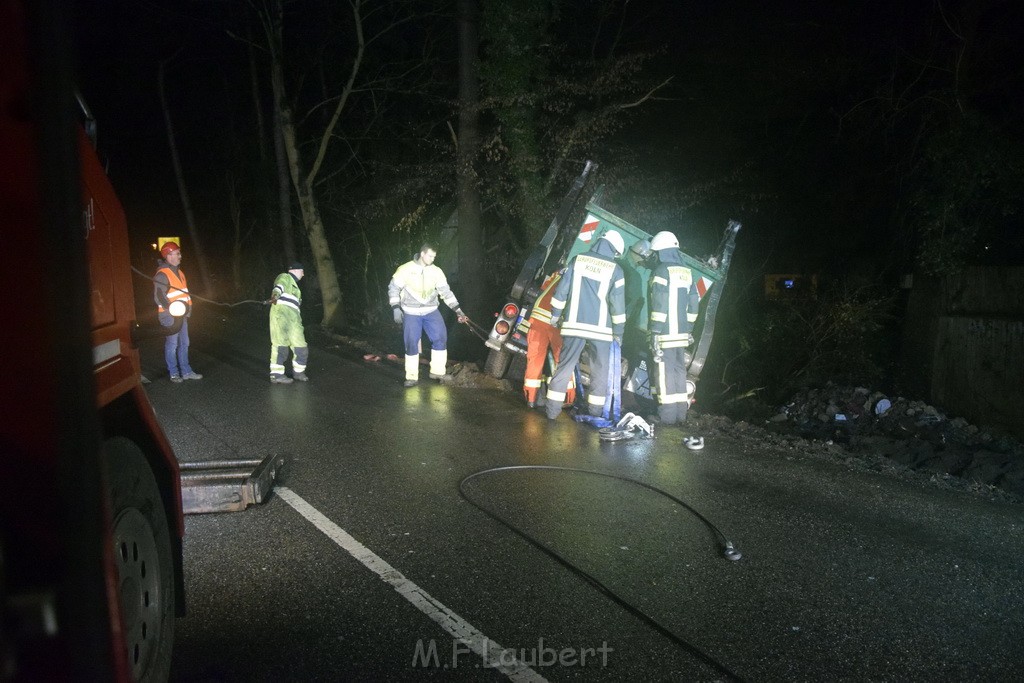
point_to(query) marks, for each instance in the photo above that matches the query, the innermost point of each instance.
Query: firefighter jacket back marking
(594, 286)
(674, 301)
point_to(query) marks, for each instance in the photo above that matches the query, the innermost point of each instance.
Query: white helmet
(664, 240)
(615, 239)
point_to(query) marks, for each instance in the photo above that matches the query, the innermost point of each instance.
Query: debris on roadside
(468, 376)
(910, 432)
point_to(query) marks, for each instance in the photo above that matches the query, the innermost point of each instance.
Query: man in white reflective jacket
(413, 296)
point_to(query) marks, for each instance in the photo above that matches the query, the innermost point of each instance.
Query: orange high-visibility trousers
(540, 337)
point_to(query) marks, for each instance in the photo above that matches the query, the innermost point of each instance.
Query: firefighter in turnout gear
(286, 327)
(540, 337)
(173, 303)
(413, 296)
(673, 309)
(591, 297)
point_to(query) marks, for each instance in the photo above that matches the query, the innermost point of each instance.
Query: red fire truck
(90, 512)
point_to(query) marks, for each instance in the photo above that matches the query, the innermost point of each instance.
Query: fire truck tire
(142, 557)
(497, 363)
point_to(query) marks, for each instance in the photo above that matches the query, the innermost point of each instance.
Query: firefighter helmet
(664, 240)
(615, 239)
(641, 249)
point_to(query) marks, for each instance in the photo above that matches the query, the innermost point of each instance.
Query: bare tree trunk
(470, 245)
(235, 207)
(256, 104)
(204, 271)
(284, 195)
(326, 274)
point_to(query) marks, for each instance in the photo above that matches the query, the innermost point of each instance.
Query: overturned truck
(580, 221)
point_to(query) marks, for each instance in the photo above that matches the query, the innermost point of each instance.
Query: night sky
(806, 120)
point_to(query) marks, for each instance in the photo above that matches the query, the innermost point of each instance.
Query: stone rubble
(911, 433)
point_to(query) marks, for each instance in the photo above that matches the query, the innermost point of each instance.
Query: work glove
(555, 321)
(398, 316)
(462, 316)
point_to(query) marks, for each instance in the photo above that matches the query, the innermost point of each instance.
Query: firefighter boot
(438, 362)
(412, 370)
(668, 413)
(553, 406)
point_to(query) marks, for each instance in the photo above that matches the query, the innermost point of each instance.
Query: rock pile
(911, 433)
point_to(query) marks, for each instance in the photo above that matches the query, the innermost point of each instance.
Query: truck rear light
(510, 311)
(502, 327)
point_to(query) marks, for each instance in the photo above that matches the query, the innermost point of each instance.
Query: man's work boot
(410, 383)
(300, 377)
(439, 365)
(280, 379)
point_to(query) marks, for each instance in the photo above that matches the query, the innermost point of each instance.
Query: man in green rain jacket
(286, 327)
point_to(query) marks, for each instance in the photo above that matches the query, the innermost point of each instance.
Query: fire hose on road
(725, 546)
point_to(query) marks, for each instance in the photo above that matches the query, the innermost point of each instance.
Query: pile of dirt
(905, 434)
(469, 376)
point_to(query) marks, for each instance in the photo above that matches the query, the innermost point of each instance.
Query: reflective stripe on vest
(177, 289)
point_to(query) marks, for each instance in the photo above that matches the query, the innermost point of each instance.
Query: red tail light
(510, 311)
(502, 327)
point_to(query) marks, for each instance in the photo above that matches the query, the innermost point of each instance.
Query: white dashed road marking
(493, 654)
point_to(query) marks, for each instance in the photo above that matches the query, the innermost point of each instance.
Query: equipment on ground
(227, 485)
(628, 427)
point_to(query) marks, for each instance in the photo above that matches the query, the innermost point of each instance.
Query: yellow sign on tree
(161, 241)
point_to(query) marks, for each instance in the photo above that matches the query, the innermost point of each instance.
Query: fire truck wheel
(497, 363)
(142, 557)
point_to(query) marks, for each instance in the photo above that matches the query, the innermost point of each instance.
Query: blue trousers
(176, 351)
(415, 325)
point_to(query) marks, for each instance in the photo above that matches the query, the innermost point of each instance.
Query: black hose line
(725, 545)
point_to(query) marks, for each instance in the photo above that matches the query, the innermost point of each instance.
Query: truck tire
(142, 557)
(497, 363)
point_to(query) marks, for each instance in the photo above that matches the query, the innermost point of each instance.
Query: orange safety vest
(178, 290)
(542, 308)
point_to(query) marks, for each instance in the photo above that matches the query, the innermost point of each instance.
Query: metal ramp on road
(227, 485)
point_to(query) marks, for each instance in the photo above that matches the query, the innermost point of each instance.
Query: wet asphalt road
(844, 576)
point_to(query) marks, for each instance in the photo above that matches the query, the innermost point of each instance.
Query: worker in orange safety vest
(541, 337)
(173, 303)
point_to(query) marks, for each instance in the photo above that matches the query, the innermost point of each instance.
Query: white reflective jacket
(416, 287)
